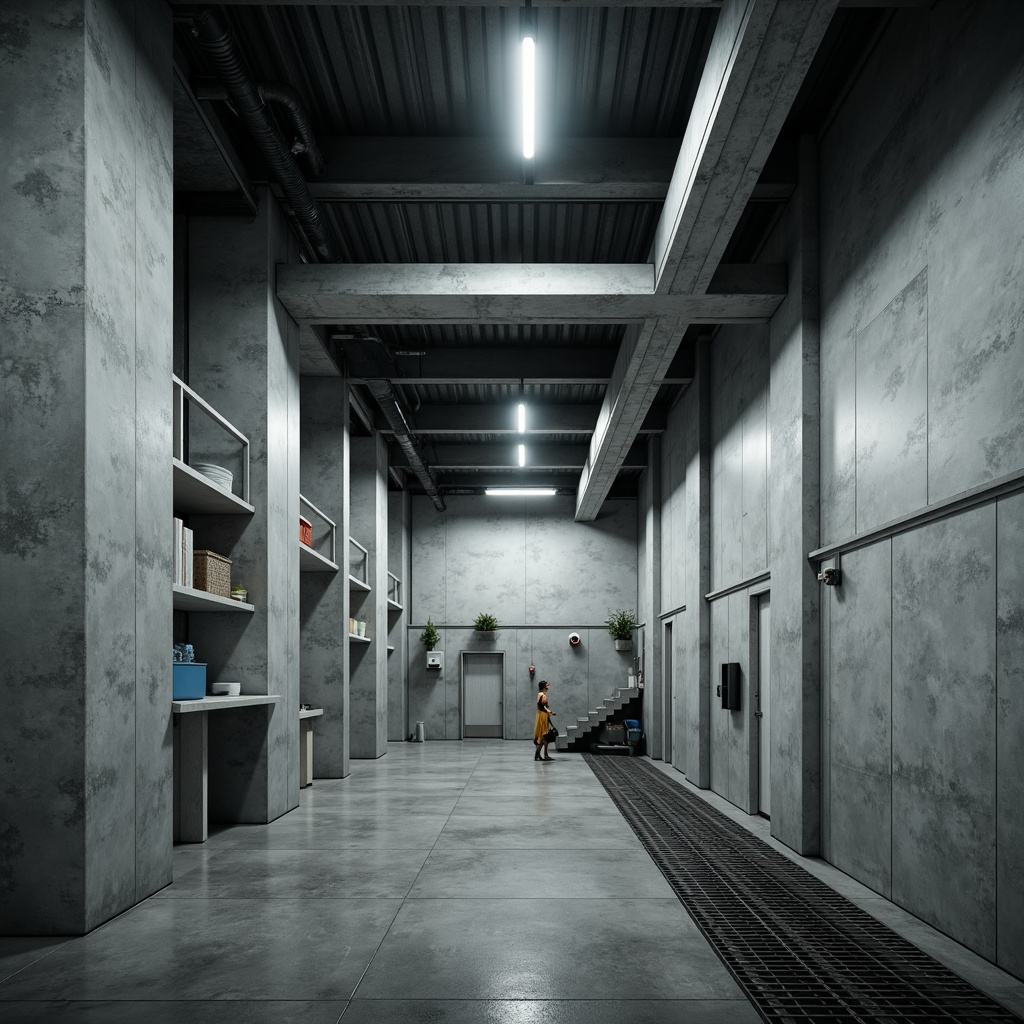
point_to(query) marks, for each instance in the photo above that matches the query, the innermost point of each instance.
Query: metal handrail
(366, 562)
(332, 526)
(180, 392)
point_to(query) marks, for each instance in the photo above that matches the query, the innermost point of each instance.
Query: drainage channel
(801, 952)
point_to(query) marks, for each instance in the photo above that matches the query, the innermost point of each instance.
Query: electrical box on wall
(729, 690)
(435, 660)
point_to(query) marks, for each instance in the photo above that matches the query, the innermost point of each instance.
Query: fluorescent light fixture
(522, 418)
(520, 492)
(522, 455)
(529, 96)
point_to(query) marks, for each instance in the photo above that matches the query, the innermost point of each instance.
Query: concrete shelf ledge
(188, 599)
(357, 584)
(194, 493)
(245, 700)
(355, 638)
(313, 561)
(311, 713)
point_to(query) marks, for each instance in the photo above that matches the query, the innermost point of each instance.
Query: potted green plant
(485, 626)
(621, 625)
(430, 637)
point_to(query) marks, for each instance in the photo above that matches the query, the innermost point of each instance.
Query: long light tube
(522, 418)
(520, 492)
(529, 96)
(522, 455)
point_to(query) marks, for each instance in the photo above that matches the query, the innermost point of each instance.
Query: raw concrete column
(793, 507)
(368, 489)
(650, 599)
(691, 730)
(400, 563)
(243, 359)
(85, 449)
(324, 598)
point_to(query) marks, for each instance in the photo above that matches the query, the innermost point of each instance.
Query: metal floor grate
(801, 952)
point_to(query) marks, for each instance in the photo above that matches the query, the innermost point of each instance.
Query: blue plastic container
(189, 681)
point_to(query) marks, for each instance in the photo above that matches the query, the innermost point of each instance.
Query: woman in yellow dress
(543, 724)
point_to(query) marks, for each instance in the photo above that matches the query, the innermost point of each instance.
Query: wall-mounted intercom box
(730, 688)
(435, 660)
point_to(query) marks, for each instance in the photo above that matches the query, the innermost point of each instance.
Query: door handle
(759, 714)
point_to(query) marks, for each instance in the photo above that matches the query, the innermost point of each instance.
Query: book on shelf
(184, 551)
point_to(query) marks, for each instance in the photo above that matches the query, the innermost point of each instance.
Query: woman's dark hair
(543, 684)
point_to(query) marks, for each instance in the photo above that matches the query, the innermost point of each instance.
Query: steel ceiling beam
(503, 293)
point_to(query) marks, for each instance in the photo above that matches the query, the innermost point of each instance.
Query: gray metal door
(668, 692)
(764, 705)
(482, 684)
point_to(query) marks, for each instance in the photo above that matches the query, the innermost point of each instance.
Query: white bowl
(226, 689)
(215, 474)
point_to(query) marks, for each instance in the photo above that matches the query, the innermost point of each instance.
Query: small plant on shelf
(621, 625)
(485, 623)
(430, 637)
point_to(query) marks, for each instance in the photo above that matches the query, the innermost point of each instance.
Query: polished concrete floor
(454, 882)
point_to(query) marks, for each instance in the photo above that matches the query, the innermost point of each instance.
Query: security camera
(830, 577)
(574, 639)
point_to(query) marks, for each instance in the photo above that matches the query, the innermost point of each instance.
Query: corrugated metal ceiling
(498, 394)
(602, 71)
(494, 232)
(425, 336)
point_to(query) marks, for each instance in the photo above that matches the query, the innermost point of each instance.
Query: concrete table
(306, 745)
(193, 771)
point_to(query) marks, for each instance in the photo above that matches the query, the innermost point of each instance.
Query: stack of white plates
(215, 474)
(226, 689)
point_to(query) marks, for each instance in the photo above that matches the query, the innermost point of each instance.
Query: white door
(482, 677)
(764, 705)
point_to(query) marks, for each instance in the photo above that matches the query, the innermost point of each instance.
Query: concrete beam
(643, 359)
(758, 59)
(380, 169)
(438, 421)
(500, 293)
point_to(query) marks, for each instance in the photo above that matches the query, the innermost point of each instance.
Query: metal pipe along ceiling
(215, 39)
(384, 394)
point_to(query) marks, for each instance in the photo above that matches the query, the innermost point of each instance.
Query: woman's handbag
(552, 734)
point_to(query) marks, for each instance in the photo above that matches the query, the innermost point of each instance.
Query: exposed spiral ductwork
(385, 396)
(248, 100)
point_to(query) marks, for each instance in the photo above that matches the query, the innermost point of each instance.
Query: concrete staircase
(587, 728)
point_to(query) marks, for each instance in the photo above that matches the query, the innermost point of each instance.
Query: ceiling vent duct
(386, 398)
(247, 98)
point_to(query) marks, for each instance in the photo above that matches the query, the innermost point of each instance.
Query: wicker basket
(213, 573)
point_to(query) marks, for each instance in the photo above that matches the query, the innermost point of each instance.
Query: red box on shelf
(305, 531)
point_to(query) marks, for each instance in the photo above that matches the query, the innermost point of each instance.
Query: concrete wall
(324, 597)
(543, 576)
(85, 443)
(892, 371)
(243, 360)
(922, 370)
